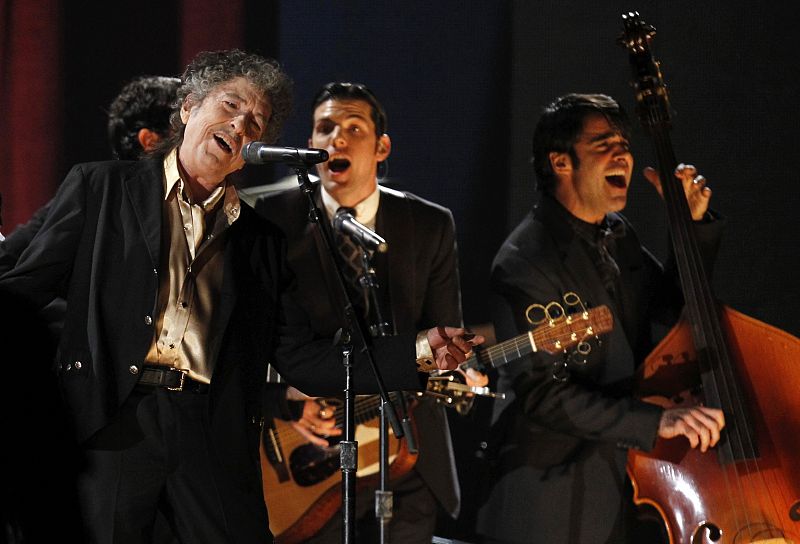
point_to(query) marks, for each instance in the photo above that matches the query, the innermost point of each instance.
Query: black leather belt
(173, 379)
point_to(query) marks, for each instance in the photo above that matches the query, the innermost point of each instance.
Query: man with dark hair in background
(138, 118)
(418, 288)
(563, 432)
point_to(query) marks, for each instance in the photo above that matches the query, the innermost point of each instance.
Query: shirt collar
(611, 225)
(172, 177)
(171, 174)
(366, 210)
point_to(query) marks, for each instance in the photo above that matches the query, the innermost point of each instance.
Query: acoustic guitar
(302, 481)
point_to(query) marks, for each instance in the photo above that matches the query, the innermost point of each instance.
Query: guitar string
(545, 334)
(367, 408)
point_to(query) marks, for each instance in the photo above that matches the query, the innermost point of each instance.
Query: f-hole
(794, 512)
(710, 530)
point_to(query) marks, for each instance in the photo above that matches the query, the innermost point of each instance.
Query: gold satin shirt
(187, 333)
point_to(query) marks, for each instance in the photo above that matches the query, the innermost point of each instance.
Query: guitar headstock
(652, 100)
(558, 335)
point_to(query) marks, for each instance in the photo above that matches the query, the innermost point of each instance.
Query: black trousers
(413, 516)
(158, 458)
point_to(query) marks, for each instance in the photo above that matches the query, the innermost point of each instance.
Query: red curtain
(31, 104)
(209, 25)
(36, 55)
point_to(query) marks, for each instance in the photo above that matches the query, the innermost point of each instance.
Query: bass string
(680, 234)
(722, 382)
(740, 444)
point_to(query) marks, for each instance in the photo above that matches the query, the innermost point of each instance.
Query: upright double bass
(747, 489)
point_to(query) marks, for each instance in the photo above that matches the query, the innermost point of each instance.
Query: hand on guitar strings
(452, 346)
(318, 421)
(698, 194)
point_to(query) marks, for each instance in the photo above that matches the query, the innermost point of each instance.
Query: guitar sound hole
(311, 464)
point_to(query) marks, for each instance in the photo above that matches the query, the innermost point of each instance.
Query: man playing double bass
(563, 432)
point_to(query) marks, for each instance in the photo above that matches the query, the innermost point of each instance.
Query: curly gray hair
(212, 68)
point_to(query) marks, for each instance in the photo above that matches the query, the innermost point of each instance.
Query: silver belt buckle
(180, 384)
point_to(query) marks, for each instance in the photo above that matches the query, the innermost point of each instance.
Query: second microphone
(345, 223)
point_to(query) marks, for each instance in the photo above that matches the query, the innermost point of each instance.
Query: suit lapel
(145, 191)
(233, 276)
(584, 275)
(630, 255)
(396, 268)
(324, 263)
(588, 285)
(581, 271)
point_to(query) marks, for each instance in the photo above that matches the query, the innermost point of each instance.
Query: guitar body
(302, 487)
(765, 487)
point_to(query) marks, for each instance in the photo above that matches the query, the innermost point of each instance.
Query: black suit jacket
(561, 446)
(419, 280)
(20, 238)
(10, 251)
(99, 249)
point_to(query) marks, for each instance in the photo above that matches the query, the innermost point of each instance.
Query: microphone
(261, 153)
(346, 224)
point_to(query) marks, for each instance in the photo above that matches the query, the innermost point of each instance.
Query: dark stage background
(462, 83)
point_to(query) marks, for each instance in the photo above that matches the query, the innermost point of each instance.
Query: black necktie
(606, 265)
(602, 238)
(353, 268)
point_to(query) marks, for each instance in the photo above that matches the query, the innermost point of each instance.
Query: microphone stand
(384, 500)
(352, 329)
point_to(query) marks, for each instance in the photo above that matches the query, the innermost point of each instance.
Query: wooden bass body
(755, 499)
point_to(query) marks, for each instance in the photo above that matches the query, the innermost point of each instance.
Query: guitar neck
(366, 408)
(502, 353)
(550, 337)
